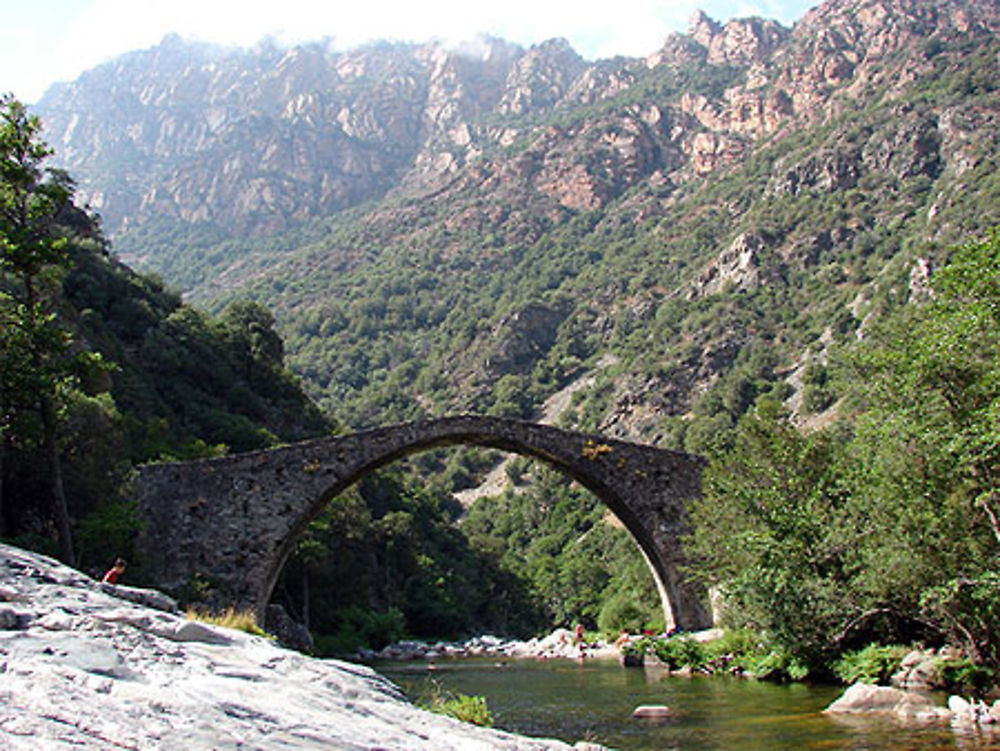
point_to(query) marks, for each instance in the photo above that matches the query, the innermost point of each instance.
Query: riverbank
(93, 666)
(560, 644)
(916, 692)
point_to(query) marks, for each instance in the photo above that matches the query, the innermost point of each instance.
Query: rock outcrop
(863, 698)
(253, 141)
(912, 706)
(81, 667)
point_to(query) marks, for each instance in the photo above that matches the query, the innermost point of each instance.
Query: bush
(109, 532)
(363, 628)
(621, 611)
(873, 664)
(471, 709)
(681, 652)
(778, 665)
(969, 610)
(961, 675)
(739, 650)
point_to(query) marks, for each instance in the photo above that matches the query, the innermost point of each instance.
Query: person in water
(623, 639)
(111, 577)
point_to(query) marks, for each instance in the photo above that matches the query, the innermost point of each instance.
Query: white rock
(124, 676)
(196, 631)
(959, 706)
(58, 620)
(863, 697)
(709, 634)
(653, 711)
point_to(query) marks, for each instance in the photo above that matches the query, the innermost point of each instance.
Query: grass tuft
(241, 620)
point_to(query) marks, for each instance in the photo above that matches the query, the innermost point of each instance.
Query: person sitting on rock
(111, 577)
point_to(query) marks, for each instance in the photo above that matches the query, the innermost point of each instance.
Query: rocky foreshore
(91, 666)
(867, 699)
(560, 644)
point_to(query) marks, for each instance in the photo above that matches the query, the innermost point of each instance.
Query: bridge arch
(233, 521)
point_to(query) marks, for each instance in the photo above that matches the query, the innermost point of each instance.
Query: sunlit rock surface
(83, 668)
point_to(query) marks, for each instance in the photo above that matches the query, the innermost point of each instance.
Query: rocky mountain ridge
(253, 141)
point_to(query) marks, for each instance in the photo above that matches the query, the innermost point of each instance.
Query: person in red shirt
(111, 577)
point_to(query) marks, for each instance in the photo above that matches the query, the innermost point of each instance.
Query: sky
(45, 41)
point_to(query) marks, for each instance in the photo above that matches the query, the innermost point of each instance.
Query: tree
(770, 533)
(31, 248)
(888, 527)
(929, 439)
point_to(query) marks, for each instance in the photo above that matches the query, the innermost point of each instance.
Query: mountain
(439, 229)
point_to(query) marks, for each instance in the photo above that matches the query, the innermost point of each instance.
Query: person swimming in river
(581, 645)
(623, 639)
(112, 574)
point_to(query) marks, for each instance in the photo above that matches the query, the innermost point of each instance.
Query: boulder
(149, 598)
(917, 672)
(862, 698)
(290, 633)
(652, 711)
(707, 635)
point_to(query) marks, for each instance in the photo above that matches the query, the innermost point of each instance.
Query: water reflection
(594, 700)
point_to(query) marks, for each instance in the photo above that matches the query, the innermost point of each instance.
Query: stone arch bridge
(233, 521)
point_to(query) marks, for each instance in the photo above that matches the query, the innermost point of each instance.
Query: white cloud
(81, 35)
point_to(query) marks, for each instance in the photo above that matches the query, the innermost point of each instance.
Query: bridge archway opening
(608, 496)
(356, 561)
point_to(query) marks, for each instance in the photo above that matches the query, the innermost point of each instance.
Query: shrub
(679, 652)
(362, 628)
(873, 664)
(969, 610)
(778, 665)
(471, 709)
(963, 676)
(621, 611)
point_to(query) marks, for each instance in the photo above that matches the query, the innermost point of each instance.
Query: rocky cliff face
(88, 666)
(253, 141)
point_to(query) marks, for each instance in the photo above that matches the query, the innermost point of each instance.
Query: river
(593, 701)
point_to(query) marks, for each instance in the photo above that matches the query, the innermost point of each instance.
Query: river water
(593, 701)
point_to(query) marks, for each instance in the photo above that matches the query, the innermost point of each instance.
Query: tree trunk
(305, 596)
(58, 493)
(3, 453)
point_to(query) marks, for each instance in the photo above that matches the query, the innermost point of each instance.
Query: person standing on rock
(111, 577)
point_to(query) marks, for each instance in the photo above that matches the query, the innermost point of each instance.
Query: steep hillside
(716, 216)
(134, 376)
